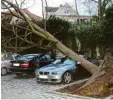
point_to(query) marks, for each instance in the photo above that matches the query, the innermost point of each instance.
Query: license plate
(16, 64)
(43, 76)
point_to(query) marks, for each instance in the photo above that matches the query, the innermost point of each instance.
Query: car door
(45, 60)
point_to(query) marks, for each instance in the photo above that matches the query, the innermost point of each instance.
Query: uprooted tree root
(99, 85)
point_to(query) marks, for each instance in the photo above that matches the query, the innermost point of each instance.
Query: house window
(66, 12)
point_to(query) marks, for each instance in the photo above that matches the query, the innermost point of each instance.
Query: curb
(70, 95)
(76, 82)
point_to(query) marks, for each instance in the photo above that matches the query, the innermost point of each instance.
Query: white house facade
(65, 12)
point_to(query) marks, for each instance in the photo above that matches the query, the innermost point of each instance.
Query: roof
(31, 15)
(51, 9)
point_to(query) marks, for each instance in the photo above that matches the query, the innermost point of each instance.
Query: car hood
(56, 67)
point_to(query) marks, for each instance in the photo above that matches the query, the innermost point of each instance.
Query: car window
(43, 58)
(68, 61)
(27, 57)
(48, 56)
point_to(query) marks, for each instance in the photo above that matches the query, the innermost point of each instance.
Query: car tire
(3, 71)
(67, 78)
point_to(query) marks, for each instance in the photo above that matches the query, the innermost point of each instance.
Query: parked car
(5, 64)
(61, 70)
(29, 62)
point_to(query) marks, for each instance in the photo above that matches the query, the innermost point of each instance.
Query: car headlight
(56, 73)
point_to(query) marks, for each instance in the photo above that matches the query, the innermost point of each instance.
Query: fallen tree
(99, 85)
(46, 35)
(98, 72)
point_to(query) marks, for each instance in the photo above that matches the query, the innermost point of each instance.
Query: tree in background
(108, 27)
(59, 28)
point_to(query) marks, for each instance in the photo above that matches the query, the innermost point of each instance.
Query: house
(28, 14)
(110, 2)
(65, 12)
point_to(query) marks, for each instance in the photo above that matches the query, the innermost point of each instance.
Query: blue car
(60, 70)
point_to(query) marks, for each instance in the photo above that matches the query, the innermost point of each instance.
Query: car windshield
(68, 61)
(28, 57)
(57, 61)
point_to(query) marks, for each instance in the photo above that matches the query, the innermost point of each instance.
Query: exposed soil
(70, 89)
(101, 88)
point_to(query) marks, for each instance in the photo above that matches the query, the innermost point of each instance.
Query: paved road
(13, 87)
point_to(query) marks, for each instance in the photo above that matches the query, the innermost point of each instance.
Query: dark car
(29, 62)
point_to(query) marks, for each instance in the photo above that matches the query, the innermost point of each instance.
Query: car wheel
(67, 77)
(3, 71)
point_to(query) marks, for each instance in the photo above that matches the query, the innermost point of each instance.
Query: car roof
(31, 54)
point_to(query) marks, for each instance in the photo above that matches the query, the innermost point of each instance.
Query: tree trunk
(100, 9)
(78, 43)
(86, 64)
(97, 51)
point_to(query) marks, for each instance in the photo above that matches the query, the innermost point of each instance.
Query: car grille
(43, 79)
(44, 73)
(53, 79)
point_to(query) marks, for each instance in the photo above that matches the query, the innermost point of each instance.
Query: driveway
(13, 87)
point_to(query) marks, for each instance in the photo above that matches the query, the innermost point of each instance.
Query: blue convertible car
(60, 70)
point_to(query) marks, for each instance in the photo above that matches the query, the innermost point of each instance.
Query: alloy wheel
(67, 77)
